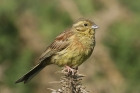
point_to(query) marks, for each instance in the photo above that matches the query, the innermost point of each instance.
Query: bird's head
(83, 24)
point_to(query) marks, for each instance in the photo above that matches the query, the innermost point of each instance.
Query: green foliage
(8, 39)
(12, 56)
(133, 5)
(88, 7)
(21, 65)
(124, 46)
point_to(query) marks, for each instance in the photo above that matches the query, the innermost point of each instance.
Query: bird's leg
(77, 70)
(69, 69)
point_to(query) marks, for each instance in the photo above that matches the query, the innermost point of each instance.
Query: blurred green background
(27, 27)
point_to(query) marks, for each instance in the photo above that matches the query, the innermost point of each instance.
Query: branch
(70, 83)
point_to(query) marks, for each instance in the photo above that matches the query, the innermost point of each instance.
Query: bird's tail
(29, 75)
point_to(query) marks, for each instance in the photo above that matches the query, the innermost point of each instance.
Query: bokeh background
(27, 27)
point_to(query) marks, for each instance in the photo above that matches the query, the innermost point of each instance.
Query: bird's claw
(68, 69)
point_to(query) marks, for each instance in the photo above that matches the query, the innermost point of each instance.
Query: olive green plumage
(71, 48)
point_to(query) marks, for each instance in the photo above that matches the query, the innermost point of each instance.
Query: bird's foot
(68, 69)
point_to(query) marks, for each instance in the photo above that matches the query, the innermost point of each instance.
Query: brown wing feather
(59, 44)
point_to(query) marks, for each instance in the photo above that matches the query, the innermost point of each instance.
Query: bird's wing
(60, 43)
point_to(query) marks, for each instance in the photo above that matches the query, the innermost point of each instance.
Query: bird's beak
(94, 26)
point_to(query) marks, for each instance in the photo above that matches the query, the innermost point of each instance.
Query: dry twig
(70, 83)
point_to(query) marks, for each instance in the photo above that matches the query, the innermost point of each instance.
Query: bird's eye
(85, 24)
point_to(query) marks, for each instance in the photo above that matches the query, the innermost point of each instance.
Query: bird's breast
(75, 54)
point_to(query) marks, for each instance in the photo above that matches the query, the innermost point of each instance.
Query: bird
(70, 49)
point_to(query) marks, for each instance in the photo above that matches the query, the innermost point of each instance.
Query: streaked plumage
(71, 48)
